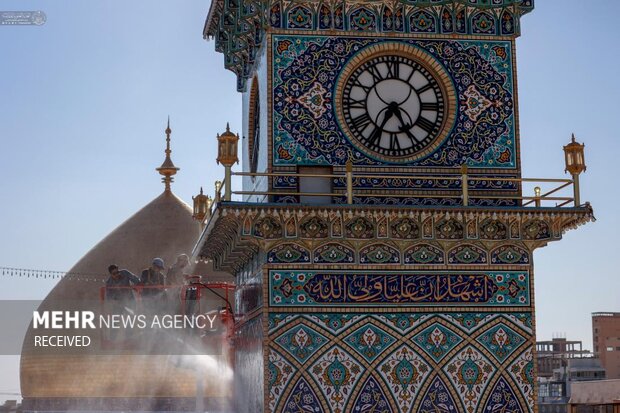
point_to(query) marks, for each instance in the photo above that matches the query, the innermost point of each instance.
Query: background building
(606, 341)
(554, 354)
(555, 392)
(595, 397)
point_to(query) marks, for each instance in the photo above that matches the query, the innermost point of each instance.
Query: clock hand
(403, 126)
(391, 110)
(375, 136)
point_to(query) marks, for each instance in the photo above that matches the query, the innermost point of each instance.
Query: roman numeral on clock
(375, 137)
(434, 106)
(425, 124)
(393, 69)
(374, 72)
(394, 142)
(424, 88)
(357, 104)
(361, 122)
(411, 136)
(364, 87)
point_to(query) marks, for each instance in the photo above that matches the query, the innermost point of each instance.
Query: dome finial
(167, 169)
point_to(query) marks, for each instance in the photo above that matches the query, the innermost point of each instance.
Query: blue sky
(84, 100)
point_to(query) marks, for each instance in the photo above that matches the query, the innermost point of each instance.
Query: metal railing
(547, 191)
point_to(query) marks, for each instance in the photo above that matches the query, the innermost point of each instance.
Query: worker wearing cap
(153, 279)
(119, 283)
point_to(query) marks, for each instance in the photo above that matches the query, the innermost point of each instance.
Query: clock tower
(382, 244)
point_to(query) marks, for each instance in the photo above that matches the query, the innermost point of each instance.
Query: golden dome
(163, 228)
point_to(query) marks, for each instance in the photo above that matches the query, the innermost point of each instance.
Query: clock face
(394, 107)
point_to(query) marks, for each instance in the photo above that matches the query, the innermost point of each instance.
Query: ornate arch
(379, 253)
(359, 228)
(493, 229)
(333, 252)
(405, 228)
(424, 253)
(449, 228)
(536, 229)
(362, 19)
(300, 17)
(508, 23)
(267, 228)
(275, 15)
(313, 227)
(422, 21)
(510, 254)
(447, 20)
(483, 23)
(288, 252)
(325, 17)
(467, 254)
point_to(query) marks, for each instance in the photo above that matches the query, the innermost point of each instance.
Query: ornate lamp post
(218, 187)
(575, 164)
(202, 206)
(537, 196)
(227, 156)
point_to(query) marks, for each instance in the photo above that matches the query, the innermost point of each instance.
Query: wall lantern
(202, 206)
(227, 155)
(575, 164)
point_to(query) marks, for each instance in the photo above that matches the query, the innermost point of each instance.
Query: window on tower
(254, 127)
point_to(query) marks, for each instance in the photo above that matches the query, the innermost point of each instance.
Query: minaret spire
(167, 169)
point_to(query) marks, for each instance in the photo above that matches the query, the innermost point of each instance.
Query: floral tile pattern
(404, 371)
(470, 373)
(502, 399)
(371, 398)
(522, 371)
(442, 363)
(301, 342)
(501, 341)
(438, 399)
(278, 373)
(370, 341)
(302, 399)
(437, 341)
(305, 71)
(336, 372)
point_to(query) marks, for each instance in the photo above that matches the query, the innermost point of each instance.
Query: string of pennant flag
(50, 274)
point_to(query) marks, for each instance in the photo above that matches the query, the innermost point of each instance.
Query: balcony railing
(464, 179)
(544, 191)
